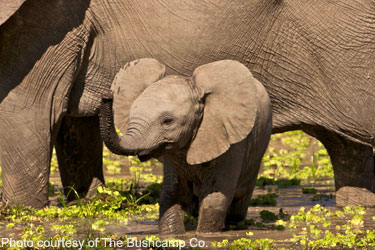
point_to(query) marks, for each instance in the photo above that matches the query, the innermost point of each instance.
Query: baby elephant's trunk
(118, 145)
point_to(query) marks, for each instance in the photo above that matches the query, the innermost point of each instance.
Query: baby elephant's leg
(174, 201)
(218, 189)
(246, 184)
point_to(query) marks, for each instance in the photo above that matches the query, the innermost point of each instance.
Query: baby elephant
(210, 131)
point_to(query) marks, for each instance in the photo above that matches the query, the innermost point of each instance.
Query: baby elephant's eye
(167, 121)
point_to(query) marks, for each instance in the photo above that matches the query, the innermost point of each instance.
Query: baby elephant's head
(200, 116)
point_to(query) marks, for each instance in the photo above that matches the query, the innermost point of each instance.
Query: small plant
(288, 182)
(152, 193)
(241, 225)
(249, 222)
(280, 223)
(264, 200)
(191, 221)
(260, 224)
(222, 244)
(10, 225)
(309, 190)
(268, 216)
(65, 230)
(258, 244)
(357, 220)
(322, 197)
(33, 233)
(282, 214)
(263, 181)
(99, 225)
(120, 184)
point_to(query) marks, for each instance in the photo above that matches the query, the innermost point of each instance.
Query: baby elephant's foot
(212, 213)
(172, 221)
(211, 221)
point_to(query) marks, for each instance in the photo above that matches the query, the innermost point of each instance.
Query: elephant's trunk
(119, 145)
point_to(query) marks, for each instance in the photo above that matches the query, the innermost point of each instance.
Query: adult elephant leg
(25, 159)
(353, 166)
(79, 150)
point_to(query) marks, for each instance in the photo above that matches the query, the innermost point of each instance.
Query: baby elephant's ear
(230, 109)
(129, 83)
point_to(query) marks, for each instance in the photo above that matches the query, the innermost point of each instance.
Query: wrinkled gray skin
(210, 131)
(315, 58)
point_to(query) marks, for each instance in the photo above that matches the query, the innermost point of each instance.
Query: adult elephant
(315, 58)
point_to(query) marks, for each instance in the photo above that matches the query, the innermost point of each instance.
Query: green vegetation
(111, 163)
(310, 231)
(151, 194)
(245, 224)
(142, 170)
(263, 181)
(309, 190)
(296, 159)
(119, 183)
(268, 216)
(64, 230)
(107, 204)
(264, 200)
(322, 197)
